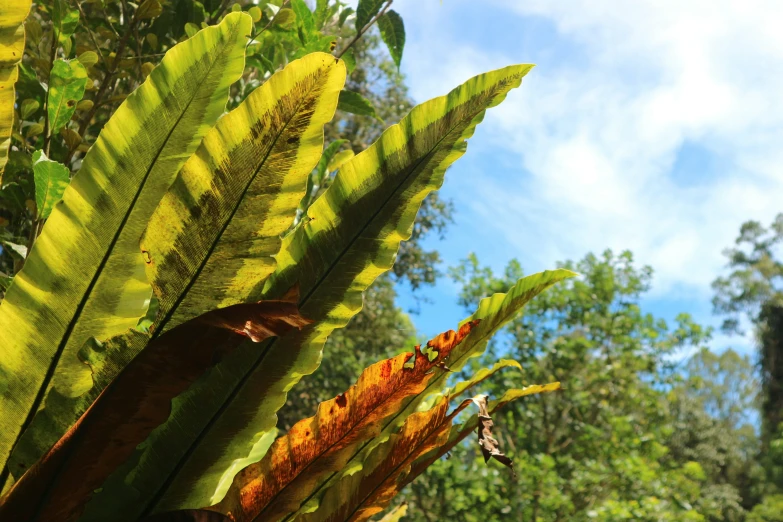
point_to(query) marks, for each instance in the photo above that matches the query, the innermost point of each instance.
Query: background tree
(753, 293)
(597, 450)
(714, 411)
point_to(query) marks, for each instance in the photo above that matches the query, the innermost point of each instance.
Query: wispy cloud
(657, 126)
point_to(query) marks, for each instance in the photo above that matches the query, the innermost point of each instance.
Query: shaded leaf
(187, 515)
(393, 34)
(28, 108)
(285, 18)
(304, 17)
(355, 103)
(350, 60)
(88, 58)
(366, 11)
(72, 138)
(131, 406)
(12, 197)
(51, 178)
(344, 14)
(149, 9)
(316, 180)
(322, 444)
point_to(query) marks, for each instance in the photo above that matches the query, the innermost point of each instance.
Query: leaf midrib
(180, 464)
(59, 105)
(208, 255)
(391, 420)
(348, 432)
(238, 388)
(405, 461)
(44, 387)
(320, 487)
(317, 284)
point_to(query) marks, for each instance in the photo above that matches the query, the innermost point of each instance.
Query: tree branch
(365, 28)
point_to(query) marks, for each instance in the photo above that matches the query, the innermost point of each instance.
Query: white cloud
(599, 134)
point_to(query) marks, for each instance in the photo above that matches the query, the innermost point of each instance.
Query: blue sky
(649, 125)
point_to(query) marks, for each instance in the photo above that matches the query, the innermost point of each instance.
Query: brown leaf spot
(386, 369)
(342, 400)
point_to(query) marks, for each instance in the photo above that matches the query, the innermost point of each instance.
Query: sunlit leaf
(365, 490)
(459, 432)
(493, 313)
(65, 19)
(85, 275)
(51, 179)
(350, 235)
(339, 159)
(66, 88)
(11, 49)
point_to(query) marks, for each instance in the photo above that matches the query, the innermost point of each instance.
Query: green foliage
(355, 103)
(597, 450)
(203, 234)
(756, 277)
(51, 178)
(366, 10)
(67, 81)
(393, 33)
(770, 510)
(754, 291)
(713, 414)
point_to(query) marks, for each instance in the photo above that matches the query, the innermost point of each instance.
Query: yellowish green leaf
(66, 88)
(85, 275)
(338, 160)
(11, 49)
(51, 178)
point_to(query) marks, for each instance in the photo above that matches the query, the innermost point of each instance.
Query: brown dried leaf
(133, 405)
(188, 515)
(363, 493)
(489, 444)
(296, 464)
(459, 433)
(396, 514)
